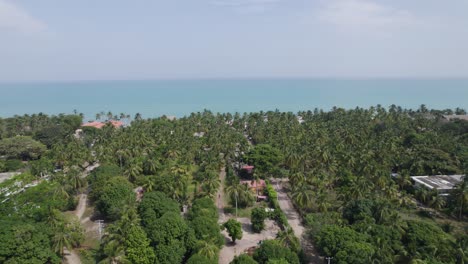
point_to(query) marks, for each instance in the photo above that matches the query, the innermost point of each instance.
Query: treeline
(339, 164)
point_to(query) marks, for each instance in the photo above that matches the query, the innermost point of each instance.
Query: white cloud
(364, 14)
(14, 18)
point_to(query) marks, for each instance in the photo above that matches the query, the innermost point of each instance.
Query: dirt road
(295, 221)
(71, 257)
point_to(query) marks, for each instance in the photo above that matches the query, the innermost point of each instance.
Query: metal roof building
(442, 183)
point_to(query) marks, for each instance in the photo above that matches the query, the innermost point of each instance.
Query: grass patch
(241, 212)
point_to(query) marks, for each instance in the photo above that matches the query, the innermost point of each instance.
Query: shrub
(243, 259)
(13, 165)
(258, 217)
(273, 250)
(116, 194)
(234, 229)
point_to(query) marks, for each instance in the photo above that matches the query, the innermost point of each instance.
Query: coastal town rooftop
(248, 168)
(454, 117)
(439, 182)
(99, 125)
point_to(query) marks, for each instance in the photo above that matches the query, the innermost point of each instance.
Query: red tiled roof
(99, 125)
(247, 167)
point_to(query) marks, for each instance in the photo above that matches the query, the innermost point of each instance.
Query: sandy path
(81, 207)
(71, 257)
(220, 196)
(7, 175)
(295, 221)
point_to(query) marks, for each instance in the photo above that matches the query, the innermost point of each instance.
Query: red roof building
(99, 125)
(248, 168)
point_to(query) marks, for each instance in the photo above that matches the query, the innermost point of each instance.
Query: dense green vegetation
(339, 165)
(157, 180)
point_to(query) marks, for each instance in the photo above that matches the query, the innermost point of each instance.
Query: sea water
(181, 97)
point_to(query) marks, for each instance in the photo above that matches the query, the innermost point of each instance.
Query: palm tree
(461, 246)
(149, 184)
(238, 192)
(297, 178)
(115, 254)
(302, 196)
(422, 194)
(460, 196)
(207, 249)
(61, 240)
(289, 239)
(322, 201)
(211, 183)
(62, 188)
(403, 181)
(75, 180)
(437, 202)
(133, 170)
(138, 117)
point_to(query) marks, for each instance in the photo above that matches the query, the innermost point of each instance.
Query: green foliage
(277, 261)
(271, 250)
(207, 229)
(234, 229)
(203, 207)
(265, 158)
(34, 203)
(116, 194)
(173, 252)
(422, 239)
(52, 135)
(243, 259)
(316, 221)
(21, 147)
(258, 217)
(344, 244)
(154, 205)
(13, 165)
(169, 233)
(32, 125)
(99, 177)
(22, 242)
(41, 167)
(199, 259)
(171, 237)
(271, 192)
(240, 195)
(138, 248)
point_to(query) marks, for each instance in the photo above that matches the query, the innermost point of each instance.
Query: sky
(190, 39)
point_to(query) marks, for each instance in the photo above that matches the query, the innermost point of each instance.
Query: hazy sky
(151, 39)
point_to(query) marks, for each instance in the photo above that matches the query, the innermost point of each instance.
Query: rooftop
(439, 182)
(452, 117)
(99, 125)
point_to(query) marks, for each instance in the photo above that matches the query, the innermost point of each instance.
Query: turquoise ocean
(181, 97)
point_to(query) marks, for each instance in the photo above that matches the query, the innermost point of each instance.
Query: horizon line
(285, 78)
